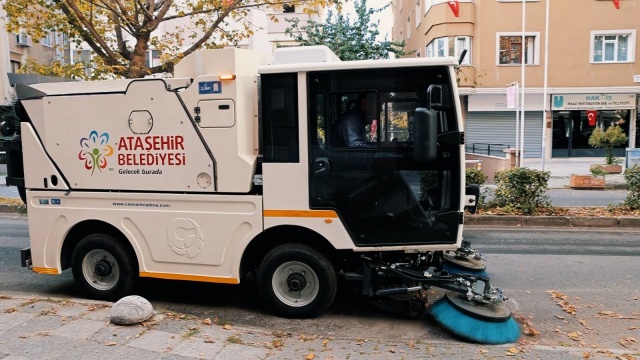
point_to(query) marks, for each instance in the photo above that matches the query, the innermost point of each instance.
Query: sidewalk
(37, 328)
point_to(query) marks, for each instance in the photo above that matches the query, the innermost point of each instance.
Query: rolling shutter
(500, 128)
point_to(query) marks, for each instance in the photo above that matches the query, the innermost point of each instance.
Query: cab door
(381, 193)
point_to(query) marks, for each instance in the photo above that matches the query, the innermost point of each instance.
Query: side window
(355, 123)
(280, 118)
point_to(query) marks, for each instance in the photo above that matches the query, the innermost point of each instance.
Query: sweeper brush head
(480, 323)
(463, 265)
(454, 268)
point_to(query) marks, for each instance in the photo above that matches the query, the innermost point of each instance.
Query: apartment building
(15, 49)
(592, 75)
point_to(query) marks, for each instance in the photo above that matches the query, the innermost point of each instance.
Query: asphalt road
(595, 269)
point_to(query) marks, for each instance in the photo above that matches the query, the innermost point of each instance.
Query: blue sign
(558, 101)
(55, 201)
(209, 87)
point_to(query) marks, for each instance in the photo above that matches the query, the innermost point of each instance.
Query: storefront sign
(593, 101)
(494, 102)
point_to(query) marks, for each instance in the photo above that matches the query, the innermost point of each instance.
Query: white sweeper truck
(233, 169)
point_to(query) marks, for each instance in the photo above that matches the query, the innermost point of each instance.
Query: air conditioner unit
(23, 40)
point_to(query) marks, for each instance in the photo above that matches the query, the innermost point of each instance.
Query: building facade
(15, 49)
(591, 77)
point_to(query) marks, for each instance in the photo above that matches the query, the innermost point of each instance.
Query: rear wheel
(297, 281)
(103, 267)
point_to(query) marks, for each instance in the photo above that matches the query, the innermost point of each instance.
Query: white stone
(131, 310)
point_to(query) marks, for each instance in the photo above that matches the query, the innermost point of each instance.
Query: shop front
(575, 116)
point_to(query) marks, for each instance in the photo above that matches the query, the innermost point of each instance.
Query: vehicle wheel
(104, 268)
(297, 281)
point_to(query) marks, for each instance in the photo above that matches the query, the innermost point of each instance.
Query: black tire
(104, 268)
(309, 286)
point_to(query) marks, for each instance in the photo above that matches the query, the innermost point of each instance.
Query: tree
(608, 139)
(349, 41)
(120, 32)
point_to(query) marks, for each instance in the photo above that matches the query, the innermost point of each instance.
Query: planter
(586, 182)
(610, 169)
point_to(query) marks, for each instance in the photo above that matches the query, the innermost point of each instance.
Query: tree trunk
(138, 67)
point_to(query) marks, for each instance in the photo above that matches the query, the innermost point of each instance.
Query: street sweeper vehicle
(234, 169)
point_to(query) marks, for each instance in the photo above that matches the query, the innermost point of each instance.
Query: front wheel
(297, 281)
(104, 268)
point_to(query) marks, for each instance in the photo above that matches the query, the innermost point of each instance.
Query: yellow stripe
(42, 270)
(211, 279)
(301, 213)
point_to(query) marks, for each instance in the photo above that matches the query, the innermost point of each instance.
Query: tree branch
(99, 45)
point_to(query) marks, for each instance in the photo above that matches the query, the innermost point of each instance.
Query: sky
(385, 17)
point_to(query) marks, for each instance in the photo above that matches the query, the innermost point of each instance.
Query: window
(280, 118)
(418, 13)
(613, 46)
(152, 58)
(15, 66)
(84, 56)
(409, 27)
(288, 8)
(450, 46)
(510, 49)
(47, 40)
(427, 5)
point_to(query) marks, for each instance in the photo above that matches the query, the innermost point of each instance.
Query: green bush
(475, 176)
(632, 176)
(522, 190)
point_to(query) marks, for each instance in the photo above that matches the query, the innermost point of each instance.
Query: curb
(551, 221)
(12, 209)
(496, 220)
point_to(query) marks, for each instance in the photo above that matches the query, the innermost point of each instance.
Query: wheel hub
(103, 268)
(296, 282)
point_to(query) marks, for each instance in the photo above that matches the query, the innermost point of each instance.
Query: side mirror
(425, 135)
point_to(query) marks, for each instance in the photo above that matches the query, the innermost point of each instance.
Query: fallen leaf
(111, 343)
(227, 327)
(586, 355)
(209, 341)
(585, 324)
(483, 351)
(310, 356)
(393, 351)
(277, 343)
(23, 336)
(325, 342)
(575, 336)
(560, 317)
(632, 327)
(513, 350)
(207, 321)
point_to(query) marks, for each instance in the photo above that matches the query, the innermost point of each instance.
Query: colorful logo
(94, 151)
